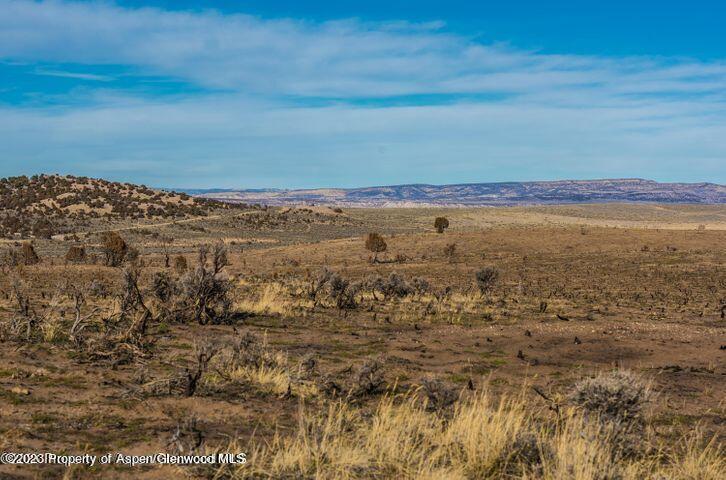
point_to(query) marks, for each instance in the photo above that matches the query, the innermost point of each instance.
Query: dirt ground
(580, 289)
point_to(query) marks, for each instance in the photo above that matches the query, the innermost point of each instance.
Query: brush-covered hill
(43, 205)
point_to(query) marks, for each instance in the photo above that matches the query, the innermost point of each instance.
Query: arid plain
(323, 355)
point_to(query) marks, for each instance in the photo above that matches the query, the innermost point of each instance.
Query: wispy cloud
(340, 58)
(76, 75)
(513, 113)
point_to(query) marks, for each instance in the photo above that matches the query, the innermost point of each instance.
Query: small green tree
(30, 257)
(441, 224)
(76, 254)
(375, 244)
(114, 248)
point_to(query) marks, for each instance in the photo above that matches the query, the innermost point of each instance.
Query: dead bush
(450, 252)
(420, 285)
(11, 257)
(439, 395)
(188, 437)
(370, 378)
(617, 396)
(133, 254)
(204, 293)
(204, 351)
(343, 292)
(134, 311)
(396, 286)
(98, 289)
(617, 400)
(25, 321)
(251, 351)
(486, 278)
(317, 283)
(163, 287)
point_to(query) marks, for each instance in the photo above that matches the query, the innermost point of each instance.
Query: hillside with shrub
(43, 205)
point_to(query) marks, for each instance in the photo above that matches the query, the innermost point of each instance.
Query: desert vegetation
(44, 205)
(323, 350)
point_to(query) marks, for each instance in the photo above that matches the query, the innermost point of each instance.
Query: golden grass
(481, 439)
(274, 373)
(272, 300)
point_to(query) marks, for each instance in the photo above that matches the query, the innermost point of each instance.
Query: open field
(289, 337)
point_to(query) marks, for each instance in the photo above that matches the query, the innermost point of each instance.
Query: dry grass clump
(483, 439)
(273, 300)
(479, 438)
(252, 360)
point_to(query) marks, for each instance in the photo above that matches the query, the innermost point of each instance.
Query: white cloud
(76, 75)
(344, 58)
(560, 115)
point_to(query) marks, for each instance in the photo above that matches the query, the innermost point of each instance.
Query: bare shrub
(81, 321)
(393, 286)
(441, 224)
(438, 394)
(374, 283)
(114, 249)
(420, 285)
(25, 321)
(98, 289)
(133, 308)
(133, 254)
(450, 252)
(370, 378)
(251, 351)
(187, 437)
(163, 287)
(204, 293)
(396, 286)
(12, 257)
(319, 282)
(617, 396)
(616, 399)
(204, 351)
(486, 278)
(376, 244)
(343, 292)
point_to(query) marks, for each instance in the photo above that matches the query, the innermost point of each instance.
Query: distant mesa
(484, 194)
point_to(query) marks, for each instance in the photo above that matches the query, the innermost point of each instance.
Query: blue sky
(307, 94)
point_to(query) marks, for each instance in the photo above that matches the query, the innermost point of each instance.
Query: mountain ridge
(484, 194)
